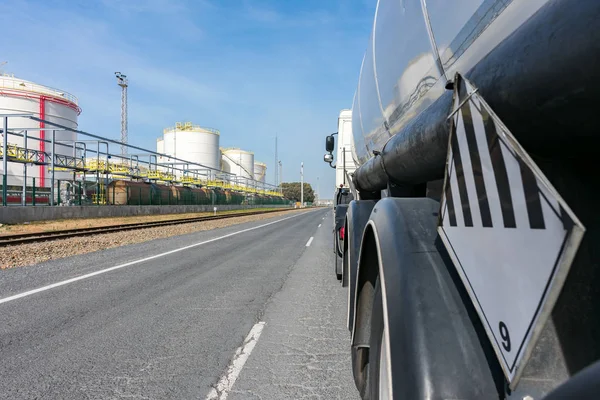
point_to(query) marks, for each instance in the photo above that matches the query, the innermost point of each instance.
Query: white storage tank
(260, 171)
(238, 162)
(18, 96)
(192, 143)
(160, 148)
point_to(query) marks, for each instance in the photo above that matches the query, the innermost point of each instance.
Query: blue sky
(250, 68)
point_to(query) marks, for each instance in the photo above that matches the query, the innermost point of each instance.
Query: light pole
(276, 158)
(318, 199)
(301, 185)
(123, 82)
(281, 175)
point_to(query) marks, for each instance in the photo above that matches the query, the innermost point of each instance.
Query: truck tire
(436, 345)
(361, 377)
(378, 383)
(338, 267)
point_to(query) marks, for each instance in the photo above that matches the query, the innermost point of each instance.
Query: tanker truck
(470, 248)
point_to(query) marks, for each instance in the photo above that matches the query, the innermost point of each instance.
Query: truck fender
(356, 220)
(339, 217)
(437, 345)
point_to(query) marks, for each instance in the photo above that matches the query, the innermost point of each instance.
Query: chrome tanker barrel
(535, 62)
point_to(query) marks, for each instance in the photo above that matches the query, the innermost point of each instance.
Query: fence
(85, 193)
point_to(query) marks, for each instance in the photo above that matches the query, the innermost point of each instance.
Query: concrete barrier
(19, 214)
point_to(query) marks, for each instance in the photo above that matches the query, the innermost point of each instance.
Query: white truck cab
(345, 166)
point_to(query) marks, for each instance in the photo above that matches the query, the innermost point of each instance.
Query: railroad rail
(36, 237)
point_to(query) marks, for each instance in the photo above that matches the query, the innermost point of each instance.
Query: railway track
(68, 233)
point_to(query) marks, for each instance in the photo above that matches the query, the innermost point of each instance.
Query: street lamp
(318, 197)
(281, 175)
(301, 184)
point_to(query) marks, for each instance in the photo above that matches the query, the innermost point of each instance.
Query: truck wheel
(361, 376)
(379, 372)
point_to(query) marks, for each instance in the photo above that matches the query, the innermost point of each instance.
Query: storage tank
(18, 96)
(238, 162)
(160, 148)
(260, 171)
(190, 142)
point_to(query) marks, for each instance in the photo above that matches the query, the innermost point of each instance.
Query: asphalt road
(167, 326)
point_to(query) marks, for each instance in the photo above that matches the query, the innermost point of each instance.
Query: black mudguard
(438, 349)
(340, 217)
(356, 220)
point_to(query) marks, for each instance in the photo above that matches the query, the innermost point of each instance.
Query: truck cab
(344, 168)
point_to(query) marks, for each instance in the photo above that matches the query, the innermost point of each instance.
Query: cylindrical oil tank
(132, 193)
(238, 162)
(201, 196)
(192, 143)
(219, 195)
(260, 171)
(18, 96)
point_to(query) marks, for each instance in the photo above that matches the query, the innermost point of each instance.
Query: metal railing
(188, 126)
(10, 82)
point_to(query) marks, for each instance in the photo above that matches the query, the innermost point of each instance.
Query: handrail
(188, 126)
(26, 86)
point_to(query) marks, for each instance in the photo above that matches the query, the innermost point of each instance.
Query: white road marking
(309, 241)
(221, 391)
(319, 226)
(102, 271)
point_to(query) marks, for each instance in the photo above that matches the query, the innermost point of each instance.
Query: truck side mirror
(329, 143)
(328, 158)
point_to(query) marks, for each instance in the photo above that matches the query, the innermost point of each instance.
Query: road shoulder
(304, 348)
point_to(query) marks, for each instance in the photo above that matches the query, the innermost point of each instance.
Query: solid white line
(309, 241)
(102, 271)
(319, 226)
(221, 391)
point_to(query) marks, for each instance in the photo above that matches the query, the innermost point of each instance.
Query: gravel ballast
(34, 253)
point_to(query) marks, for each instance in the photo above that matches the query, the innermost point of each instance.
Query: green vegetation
(291, 190)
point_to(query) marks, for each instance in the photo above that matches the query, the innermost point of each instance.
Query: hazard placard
(509, 233)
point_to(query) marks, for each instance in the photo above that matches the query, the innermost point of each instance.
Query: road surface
(164, 319)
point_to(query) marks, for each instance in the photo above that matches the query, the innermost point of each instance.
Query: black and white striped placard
(487, 179)
(510, 235)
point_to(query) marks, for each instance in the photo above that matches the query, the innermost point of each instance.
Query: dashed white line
(319, 226)
(102, 271)
(309, 241)
(221, 391)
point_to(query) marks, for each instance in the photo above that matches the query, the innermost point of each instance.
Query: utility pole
(123, 82)
(301, 185)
